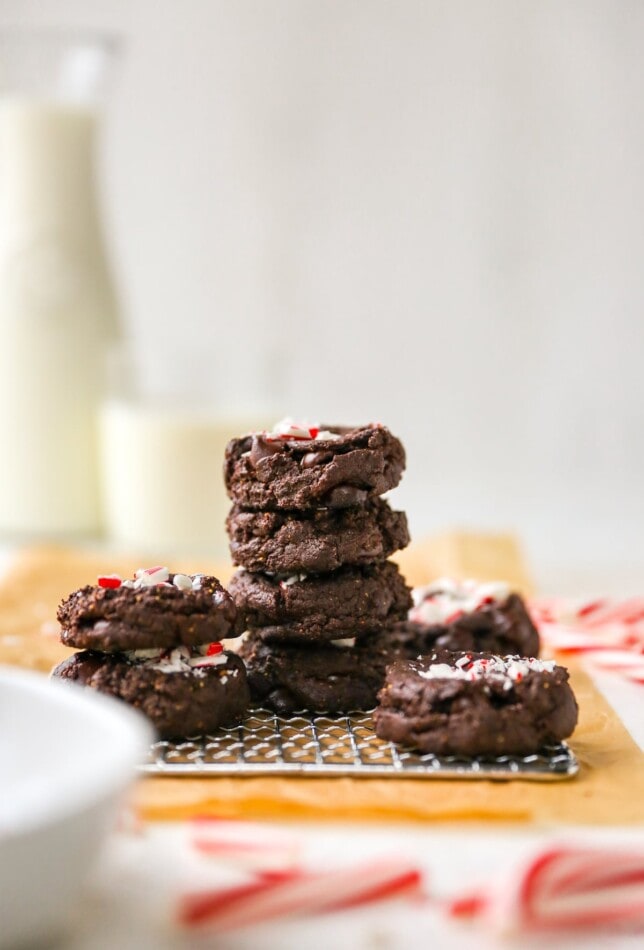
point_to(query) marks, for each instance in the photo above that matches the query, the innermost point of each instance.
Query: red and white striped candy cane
(562, 888)
(610, 634)
(297, 893)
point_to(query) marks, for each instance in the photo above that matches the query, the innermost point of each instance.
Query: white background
(429, 213)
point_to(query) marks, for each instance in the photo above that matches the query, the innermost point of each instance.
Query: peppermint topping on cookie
(293, 579)
(446, 600)
(154, 577)
(505, 669)
(288, 430)
(210, 655)
(180, 659)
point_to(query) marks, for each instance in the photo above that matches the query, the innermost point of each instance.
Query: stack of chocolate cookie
(154, 642)
(315, 593)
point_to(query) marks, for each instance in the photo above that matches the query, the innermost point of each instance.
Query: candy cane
(580, 888)
(626, 611)
(569, 640)
(610, 634)
(254, 847)
(565, 888)
(298, 893)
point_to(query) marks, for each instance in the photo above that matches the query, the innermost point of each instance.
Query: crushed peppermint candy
(151, 576)
(155, 577)
(287, 430)
(182, 581)
(293, 579)
(109, 581)
(505, 669)
(180, 659)
(446, 600)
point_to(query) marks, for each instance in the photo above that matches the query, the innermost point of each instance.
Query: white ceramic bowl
(66, 756)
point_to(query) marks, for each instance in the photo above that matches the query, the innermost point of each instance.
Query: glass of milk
(164, 430)
(57, 303)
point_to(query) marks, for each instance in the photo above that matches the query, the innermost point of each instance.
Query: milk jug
(57, 304)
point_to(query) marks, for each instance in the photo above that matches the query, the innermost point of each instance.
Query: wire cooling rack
(325, 746)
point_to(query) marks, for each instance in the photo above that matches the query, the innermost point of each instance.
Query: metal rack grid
(318, 745)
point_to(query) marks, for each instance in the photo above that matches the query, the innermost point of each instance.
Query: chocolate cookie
(476, 704)
(158, 609)
(466, 615)
(338, 676)
(315, 541)
(352, 601)
(179, 698)
(299, 468)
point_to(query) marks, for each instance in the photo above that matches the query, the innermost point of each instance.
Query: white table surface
(128, 900)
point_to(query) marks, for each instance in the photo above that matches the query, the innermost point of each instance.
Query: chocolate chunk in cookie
(350, 602)
(476, 704)
(298, 468)
(183, 693)
(316, 541)
(157, 609)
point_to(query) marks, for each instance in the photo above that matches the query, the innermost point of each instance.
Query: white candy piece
(346, 643)
(219, 659)
(293, 579)
(182, 581)
(151, 576)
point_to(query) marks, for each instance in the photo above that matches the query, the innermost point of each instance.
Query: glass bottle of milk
(57, 303)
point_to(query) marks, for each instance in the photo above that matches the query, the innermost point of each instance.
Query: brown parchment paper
(609, 789)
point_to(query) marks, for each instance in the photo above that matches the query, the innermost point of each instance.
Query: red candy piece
(214, 649)
(313, 433)
(109, 582)
(454, 616)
